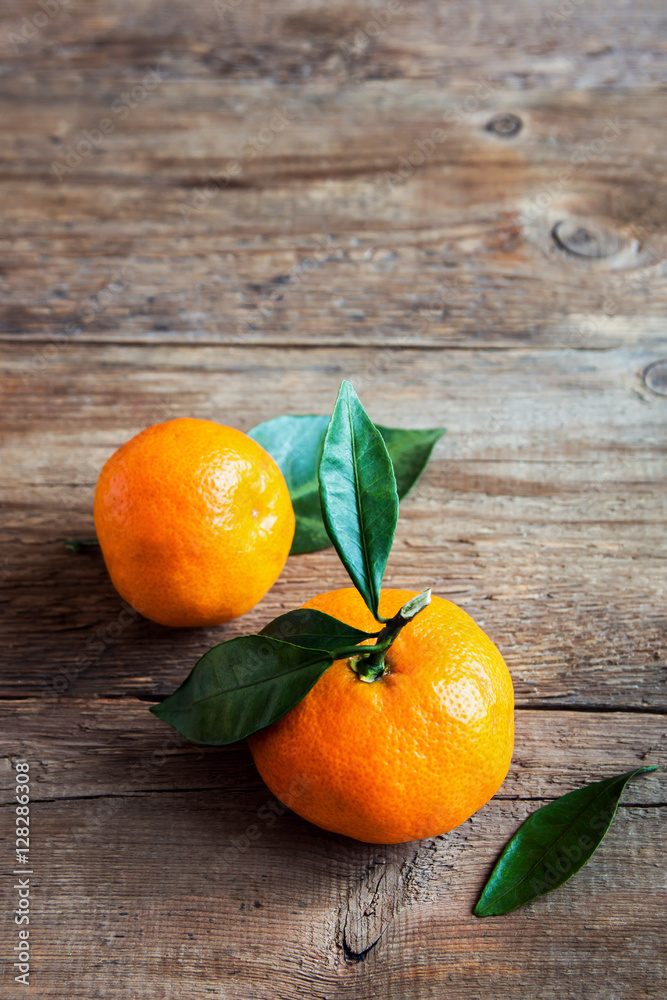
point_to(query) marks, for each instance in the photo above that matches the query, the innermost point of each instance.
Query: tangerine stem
(370, 666)
(81, 544)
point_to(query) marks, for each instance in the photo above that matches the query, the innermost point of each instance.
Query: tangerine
(195, 522)
(407, 756)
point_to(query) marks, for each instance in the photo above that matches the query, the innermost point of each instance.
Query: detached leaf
(358, 495)
(240, 687)
(314, 630)
(296, 444)
(553, 844)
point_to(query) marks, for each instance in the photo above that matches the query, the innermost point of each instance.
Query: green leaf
(296, 445)
(314, 630)
(296, 442)
(358, 495)
(553, 844)
(241, 686)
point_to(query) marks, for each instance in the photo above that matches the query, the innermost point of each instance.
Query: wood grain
(122, 910)
(234, 854)
(541, 512)
(106, 747)
(251, 901)
(327, 230)
(270, 212)
(526, 44)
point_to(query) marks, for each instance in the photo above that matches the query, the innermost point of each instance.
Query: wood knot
(585, 239)
(655, 377)
(374, 901)
(506, 125)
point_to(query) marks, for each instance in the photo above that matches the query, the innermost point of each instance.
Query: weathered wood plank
(530, 42)
(101, 747)
(345, 223)
(541, 514)
(536, 224)
(139, 895)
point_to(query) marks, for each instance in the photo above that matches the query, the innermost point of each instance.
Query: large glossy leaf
(313, 629)
(358, 495)
(553, 844)
(241, 686)
(296, 442)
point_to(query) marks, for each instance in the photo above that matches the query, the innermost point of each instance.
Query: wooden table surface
(221, 210)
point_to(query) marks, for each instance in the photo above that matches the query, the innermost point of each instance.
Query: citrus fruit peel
(195, 522)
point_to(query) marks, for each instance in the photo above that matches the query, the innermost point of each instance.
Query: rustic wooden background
(220, 210)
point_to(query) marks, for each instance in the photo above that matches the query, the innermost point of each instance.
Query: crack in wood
(389, 883)
(370, 908)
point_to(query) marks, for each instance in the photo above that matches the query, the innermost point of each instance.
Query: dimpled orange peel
(411, 754)
(194, 520)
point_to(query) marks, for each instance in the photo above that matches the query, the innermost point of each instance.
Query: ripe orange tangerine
(195, 522)
(409, 755)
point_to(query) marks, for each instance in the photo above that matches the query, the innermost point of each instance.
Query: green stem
(370, 666)
(81, 544)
